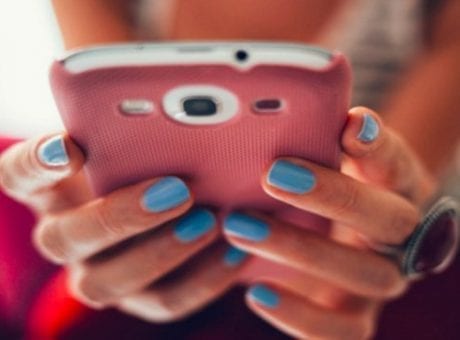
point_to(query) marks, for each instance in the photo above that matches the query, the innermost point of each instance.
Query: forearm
(426, 108)
(89, 22)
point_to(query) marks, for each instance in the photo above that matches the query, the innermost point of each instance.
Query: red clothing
(34, 302)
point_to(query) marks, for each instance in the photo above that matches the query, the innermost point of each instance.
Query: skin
(80, 232)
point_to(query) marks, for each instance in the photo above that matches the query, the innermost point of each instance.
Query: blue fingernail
(291, 177)
(53, 152)
(247, 227)
(234, 256)
(167, 193)
(194, 225)
(370, 129)
(264, 295)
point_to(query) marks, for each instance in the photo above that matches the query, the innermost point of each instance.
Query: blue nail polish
(194, 225)
(167, 193)
(247, 227)
(370, 129)
(264, 296)
(53, 152)
(234, 256)
(291, 177)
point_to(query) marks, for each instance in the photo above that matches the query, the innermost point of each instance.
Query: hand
(128, 249)
(345, 282)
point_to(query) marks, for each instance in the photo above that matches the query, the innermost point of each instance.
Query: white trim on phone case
(203, 53)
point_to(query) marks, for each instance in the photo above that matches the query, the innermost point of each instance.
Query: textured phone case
(221, 163)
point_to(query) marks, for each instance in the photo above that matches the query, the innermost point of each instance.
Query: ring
(434, 243)
(432, 246)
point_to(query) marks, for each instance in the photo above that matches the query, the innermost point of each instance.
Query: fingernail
(53, 152)
(370, 129)
(264, 296)
(234, 256)
(291, 177)
(167, 193)
(194, 225)
(247, 227)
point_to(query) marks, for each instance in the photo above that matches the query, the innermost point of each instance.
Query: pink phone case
(221, 163)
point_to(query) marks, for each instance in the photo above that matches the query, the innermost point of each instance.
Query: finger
(324, 293)
(30, 168)
(377, 213)
(108, 277)
(198, 283)
(78, 233)
(358, 271)
(298, 317)
(383, 157)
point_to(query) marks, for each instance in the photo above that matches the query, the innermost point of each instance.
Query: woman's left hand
(376, 199)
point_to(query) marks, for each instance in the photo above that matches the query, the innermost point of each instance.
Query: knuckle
(347, 198)
(403, 223)
(157, 308)
(388, 282)
(107, 219)
(172, 307)
(49, 241)
(85, 288)
(393, 174)
(310, 252)
(176, 307)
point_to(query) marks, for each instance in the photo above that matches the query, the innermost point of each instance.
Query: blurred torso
(301, 20)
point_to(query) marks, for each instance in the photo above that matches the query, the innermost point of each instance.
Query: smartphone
(213, 113)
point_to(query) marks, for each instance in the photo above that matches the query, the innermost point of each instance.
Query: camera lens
(200, 106)
(241, 55)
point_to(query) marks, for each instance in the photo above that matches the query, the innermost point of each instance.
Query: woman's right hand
(127, 249)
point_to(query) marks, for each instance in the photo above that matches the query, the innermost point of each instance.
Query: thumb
(38, 164)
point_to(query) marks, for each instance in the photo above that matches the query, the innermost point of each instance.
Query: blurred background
(29, 41)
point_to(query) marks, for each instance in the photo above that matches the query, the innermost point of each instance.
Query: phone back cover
(221, 163)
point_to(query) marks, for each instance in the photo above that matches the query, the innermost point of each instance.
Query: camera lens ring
(228, 104)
